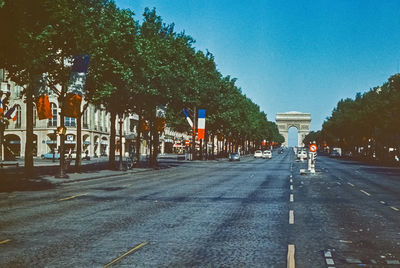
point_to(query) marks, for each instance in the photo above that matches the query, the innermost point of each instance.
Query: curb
(57, 181)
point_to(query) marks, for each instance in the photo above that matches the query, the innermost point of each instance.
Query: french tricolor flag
(188, 118)
(201, 125)
(1, 108)
(12, 113)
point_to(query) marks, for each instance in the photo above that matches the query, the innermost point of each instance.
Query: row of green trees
(134, 67)
(371, 120)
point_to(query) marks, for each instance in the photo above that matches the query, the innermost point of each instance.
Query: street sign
(313, 148)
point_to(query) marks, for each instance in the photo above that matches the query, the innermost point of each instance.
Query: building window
(85, 119)
(53, 121)
(18, 91)
(70, 122)
(18, 122)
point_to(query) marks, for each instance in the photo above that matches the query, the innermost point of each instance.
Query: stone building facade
(95, 129)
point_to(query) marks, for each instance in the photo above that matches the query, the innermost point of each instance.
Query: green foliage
(369, 117)
(133, 67)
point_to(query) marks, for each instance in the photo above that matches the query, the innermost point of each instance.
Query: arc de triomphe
(301, 121)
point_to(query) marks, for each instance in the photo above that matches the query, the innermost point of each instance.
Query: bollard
(312, 165)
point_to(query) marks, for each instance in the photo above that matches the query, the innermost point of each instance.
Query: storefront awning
(86, 143)
(51, 142)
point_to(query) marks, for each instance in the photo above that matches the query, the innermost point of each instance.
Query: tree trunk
(151, 141)
(213, 146)
(78, 160)
(29, 133)
(138, 143)
(154, 140)
(201, 149)
(111, 157)
(121, 120)
(62, 141)
(2, 128)
(156, 144)
(194, 134)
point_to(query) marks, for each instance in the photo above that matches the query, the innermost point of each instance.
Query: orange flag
(72, 105)
(43, 107)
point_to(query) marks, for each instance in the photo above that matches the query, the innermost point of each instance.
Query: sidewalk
(12, 178)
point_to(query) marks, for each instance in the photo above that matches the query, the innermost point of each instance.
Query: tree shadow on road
(13, 183)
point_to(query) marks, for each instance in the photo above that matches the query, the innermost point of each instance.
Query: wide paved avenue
(252, 213)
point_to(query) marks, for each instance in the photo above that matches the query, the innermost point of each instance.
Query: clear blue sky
(292, 55)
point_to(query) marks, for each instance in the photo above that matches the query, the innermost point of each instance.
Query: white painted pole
(312, 163)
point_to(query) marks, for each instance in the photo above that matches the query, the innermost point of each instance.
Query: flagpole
(194, 133)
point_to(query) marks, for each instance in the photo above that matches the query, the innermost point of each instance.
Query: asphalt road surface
(252, 213)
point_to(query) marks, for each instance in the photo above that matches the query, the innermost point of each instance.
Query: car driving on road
(234, 157)
(334, 154)
(267, 154)
(258, 154)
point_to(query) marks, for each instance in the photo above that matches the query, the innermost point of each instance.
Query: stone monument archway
(301, 121)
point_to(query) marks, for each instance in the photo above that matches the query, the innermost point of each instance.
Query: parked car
(348, 154)
(84, 156)
(234, 157)
(267, 154)
(50, 156)
(258, 154)
(57, 155)
(334, 154)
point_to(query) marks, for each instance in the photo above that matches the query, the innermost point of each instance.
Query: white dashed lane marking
(394, 208)
(291, 187)
(352, 185)
(291, 217)
(290, 257)
(291, 198)
(364, 192)
(328, 258)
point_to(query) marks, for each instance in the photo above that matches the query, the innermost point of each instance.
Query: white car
(258, 154)
(267, 154)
